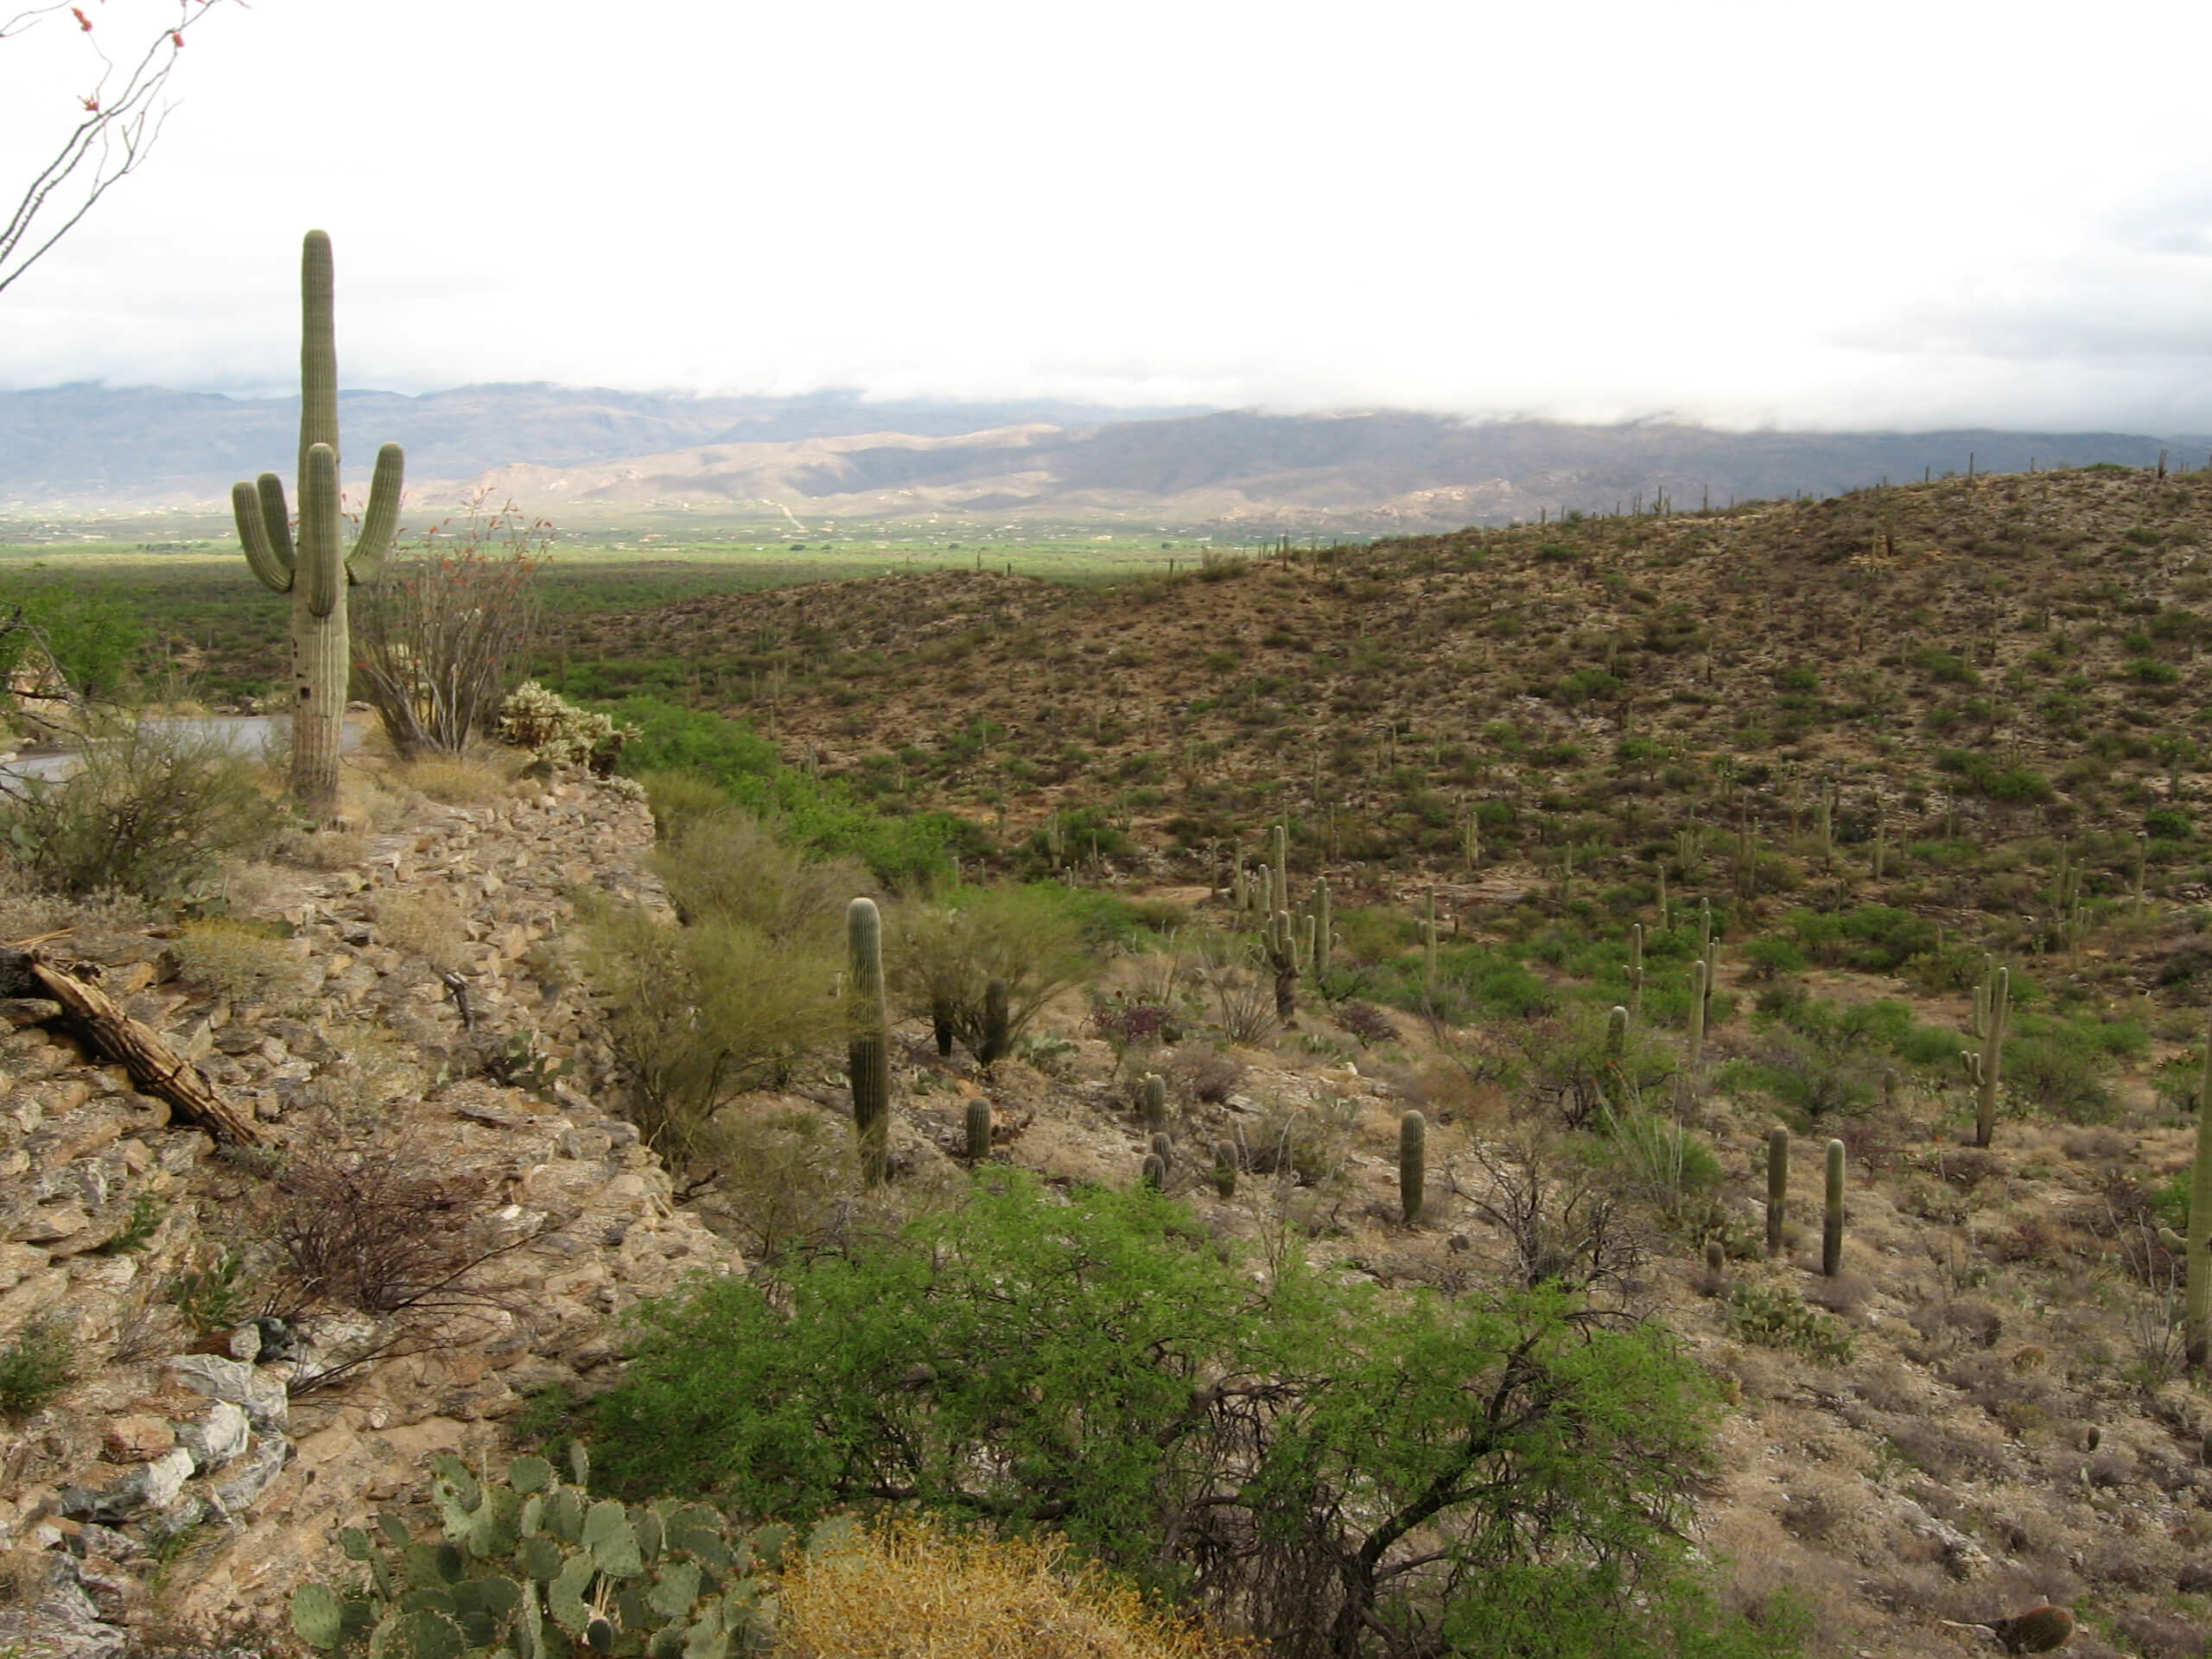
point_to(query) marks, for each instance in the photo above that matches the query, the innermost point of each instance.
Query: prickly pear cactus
(530, 1567)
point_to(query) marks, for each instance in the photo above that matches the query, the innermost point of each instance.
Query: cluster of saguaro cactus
(1412, 1166)
(530, 1567)
(317, 570)
(1992, 1017)
(869, 1038)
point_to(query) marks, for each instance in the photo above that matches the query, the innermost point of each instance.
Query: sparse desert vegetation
(1624, 1087)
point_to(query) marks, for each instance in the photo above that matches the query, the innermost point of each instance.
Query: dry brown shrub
(428, 925)
(238, 959)
(909, 1589)
(462, 779)
(1204, 1074)
(323, 850)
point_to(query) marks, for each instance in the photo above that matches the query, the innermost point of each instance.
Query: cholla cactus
(532, 1568)
(558, 733)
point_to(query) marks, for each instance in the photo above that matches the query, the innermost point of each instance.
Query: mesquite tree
(316, 572)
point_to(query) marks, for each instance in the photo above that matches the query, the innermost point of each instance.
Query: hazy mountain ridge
(834, 456)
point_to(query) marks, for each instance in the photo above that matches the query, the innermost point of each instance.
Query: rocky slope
(193, 1473)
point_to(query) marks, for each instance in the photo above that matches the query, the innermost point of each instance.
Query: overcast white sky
(1913, 214)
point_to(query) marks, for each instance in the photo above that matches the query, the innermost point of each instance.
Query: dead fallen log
(156, 1068)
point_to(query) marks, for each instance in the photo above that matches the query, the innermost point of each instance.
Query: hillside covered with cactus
(1628, 1087)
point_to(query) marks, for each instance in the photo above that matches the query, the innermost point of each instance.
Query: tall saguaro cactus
(868, 1038)
(2198, 1300)
(317, 571)
(1992, 1018)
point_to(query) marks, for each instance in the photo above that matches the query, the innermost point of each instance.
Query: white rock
(164, 1478)
(217, 1438)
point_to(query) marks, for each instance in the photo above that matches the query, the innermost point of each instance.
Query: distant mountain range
(603, 453)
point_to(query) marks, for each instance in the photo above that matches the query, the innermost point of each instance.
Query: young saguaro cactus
(1412, 1166)
(1992, 1017)
(1324, 928)
(1777, 1188)
(1155, 1101)
(869, 1038)
(1832, 1214)
(978, 1129)
(2196, 1304)
(317, 570)
(1286, 960)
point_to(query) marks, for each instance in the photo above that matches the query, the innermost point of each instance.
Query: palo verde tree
(119, 113)
(316, 572)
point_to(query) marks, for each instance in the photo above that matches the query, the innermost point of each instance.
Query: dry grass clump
(462, 779)
(428, 925)
(239, 959)
(909, 1589)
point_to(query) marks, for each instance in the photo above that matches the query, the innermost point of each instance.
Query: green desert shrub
(726, 865)
(700, 1014)
(151, 810)
(944, 953)
(34, 1368)
(1102, 1364)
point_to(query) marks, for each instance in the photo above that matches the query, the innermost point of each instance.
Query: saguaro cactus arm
(264, 531)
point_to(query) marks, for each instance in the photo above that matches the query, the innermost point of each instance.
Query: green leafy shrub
(816, 815)
(151, 810)
(34, 1368)
(1104, 1365)
(700, 1014)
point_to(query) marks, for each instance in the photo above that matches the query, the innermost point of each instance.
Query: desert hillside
(1649, 898)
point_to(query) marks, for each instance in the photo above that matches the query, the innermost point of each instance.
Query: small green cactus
(1832, 1214)
(1324, 933)
(1155, 1101)
(1152, 1171)
(1162, 1145)
(979, 1129)
(1224, 1168)
(627, 1581)
(868, 1039)
(997, 1025)
(1412, 1166)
